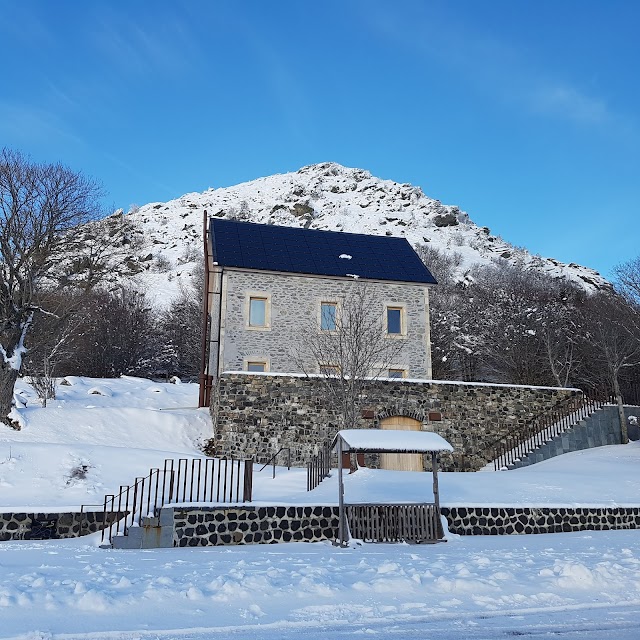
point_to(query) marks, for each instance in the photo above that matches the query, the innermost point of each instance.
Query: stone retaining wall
(255, 415)
(487, 521)
(221, 526)
(215, 526)
(199, 526)
(20, 526)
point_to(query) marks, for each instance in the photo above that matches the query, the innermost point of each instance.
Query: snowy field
(578, 585)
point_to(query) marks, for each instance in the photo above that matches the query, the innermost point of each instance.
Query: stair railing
(179, 481)
(272, 459)
(319, 467)
(513, 447)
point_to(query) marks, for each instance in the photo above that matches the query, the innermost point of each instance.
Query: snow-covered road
(582, 585)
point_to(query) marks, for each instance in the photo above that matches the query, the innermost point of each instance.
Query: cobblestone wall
(199, 526)
(485, 521)
(255, 415)
(216, 526)
(42, 526)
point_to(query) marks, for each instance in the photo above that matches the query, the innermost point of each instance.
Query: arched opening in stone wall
(401, 461)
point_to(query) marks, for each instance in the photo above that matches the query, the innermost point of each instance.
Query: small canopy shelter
(392, 441)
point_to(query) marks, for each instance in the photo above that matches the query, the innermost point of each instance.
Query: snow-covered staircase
(598, 429)
(554, 425)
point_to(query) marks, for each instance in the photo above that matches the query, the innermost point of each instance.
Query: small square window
(394, 320)
(396, 373)
(329, 370)
(258, 312)
(328, 316)
(257, 366)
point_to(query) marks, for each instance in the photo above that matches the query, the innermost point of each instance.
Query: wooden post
(341, 513)
(437, 525)
(434, 469)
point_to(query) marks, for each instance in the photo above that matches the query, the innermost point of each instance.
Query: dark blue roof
(292, 249)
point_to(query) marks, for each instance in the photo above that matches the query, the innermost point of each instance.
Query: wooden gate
(394, 522)
(401, 461)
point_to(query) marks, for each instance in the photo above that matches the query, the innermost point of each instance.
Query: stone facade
(490, 521)
(293, 308)
(255, 415)
(50, 526)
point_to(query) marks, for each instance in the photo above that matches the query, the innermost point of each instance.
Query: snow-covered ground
(478, 587)
(116, 428)
(578, 585)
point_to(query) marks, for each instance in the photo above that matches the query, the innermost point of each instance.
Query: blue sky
(525, 114)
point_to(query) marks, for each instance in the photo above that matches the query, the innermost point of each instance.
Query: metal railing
(319, 467)
(515, 446)
(179, 481)
(272, 459)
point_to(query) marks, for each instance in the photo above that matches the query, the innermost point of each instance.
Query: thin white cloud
(494, 67)
(163, 43)
(133, 170)
(24, 23)
(22, 124)
(568, 102)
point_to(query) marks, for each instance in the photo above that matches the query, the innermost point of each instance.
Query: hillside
(162, 242)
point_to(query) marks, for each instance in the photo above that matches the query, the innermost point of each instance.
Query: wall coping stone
(273, 374)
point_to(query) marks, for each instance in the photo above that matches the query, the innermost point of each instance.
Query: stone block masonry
(489, 521)
(44, 526)
(256, 415)
(293, 309)
(202, 526)
(218, 526)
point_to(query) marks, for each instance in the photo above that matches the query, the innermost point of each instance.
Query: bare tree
(116, 336)
(180, 330)
(507, 305)
(39, 205)
(54, 343)
(613, 338)
(560, 328)
(354, 351)
(628, 276)
(455, 317)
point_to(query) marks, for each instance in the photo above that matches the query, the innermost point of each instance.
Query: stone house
(267, 285)
(269, 288)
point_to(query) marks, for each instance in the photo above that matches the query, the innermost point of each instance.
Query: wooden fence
(394, 522)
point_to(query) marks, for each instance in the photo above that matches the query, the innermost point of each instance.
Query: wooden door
(401, 461)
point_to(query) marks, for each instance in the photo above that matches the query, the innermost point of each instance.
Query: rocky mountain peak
(165, 238)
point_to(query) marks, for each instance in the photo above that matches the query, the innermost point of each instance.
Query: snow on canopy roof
(390, 441)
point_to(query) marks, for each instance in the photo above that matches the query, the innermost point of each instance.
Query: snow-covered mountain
(163, 241)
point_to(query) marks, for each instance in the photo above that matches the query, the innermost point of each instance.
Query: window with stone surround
(328, 311)
(396, 321)
(256, 365)
(258, 311)
(330, 370)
